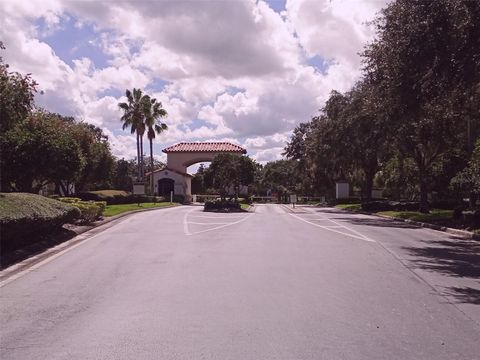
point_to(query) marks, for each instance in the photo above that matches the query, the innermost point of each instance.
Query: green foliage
(68, 200)
(434, 216)
(468, 180)
(25, 217)
(282, 176)
(112, 197)
(122, 175)
(227, 170)
(16, 96)
(90, 210)
(408, 124)
(38, 150)
(350, 207)
(222, 206)
(99, 161)
(112, 210)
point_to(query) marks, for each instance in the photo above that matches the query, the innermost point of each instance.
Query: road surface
(313, 284)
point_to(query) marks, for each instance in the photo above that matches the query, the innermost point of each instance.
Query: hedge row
(90, 210)
(376, 206)
(24, 218)
(116, 197)
(222, 205)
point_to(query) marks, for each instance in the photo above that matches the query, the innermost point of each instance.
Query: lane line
(216, 217)
(185, 224)
(197, 223)
(187, 232)
(360, 237)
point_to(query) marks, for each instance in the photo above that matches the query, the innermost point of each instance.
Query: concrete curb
(32, 255)
(464, 233)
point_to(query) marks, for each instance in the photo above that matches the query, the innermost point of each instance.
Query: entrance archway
(166, 186)
(174, 176)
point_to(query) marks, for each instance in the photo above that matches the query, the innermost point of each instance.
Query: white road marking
(358, 236)
(186, 222)
(208, 223)
(215, 217)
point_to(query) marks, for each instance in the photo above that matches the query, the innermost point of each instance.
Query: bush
(376, 206)
(457, 212)
(471, 218)
(349, 200)
(116, 197)
(178, 199)
(26, 217)
(445, 204)
(90, 210)
(68, 200)
(222, 205)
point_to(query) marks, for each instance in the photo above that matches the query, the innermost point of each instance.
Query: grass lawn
(244, 206)
(112, 210)
(351, 207)
(435, 215)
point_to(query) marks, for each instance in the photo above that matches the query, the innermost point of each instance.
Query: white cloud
(234, 70)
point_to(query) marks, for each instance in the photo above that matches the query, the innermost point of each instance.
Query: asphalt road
(314, 284)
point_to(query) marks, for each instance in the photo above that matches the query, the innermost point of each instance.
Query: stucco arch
(181, 156)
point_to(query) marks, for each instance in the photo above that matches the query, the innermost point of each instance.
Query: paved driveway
(314, 284)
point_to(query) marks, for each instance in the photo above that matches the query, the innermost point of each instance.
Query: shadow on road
(43, 243)
(371, 221)
(455, 257)
(464, 294)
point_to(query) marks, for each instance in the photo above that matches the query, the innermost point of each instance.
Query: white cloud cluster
(230, 69)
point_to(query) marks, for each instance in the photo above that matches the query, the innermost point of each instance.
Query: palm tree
(134, 118)
(152, 110)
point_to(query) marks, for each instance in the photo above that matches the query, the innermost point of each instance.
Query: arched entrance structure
(180, 157)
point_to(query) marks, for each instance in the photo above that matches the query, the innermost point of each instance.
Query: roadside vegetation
(435, 215)
(26, 218)
(112, 210)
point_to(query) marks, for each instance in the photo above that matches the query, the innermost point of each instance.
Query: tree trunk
(472, 200)
(142, 165)
(139, 171)
(151, 168)
(369, 175)
(424, 208)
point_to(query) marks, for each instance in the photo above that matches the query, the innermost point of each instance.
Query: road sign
(293, 199)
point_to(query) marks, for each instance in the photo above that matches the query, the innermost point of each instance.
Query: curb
(464, 233)
(32, 255)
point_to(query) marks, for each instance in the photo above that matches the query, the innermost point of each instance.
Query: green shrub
(221, 205)
(90, 210)
(178, 199)
(117, 197)
(102, 205)
(26, 217)
(68, 200)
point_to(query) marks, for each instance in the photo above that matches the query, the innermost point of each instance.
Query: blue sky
(242, 71)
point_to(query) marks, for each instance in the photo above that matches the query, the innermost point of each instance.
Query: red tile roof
(204, 147)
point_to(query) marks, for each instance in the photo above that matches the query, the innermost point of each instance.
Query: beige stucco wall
(181, 160)
(183, 183)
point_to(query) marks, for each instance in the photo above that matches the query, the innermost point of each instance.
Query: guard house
(180, 156)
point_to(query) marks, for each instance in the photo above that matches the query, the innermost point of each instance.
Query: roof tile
(204, 147)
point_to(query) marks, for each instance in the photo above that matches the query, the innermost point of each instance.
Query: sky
(244, 71)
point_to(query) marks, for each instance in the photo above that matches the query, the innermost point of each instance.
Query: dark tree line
(411, 122)
(38, 147)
